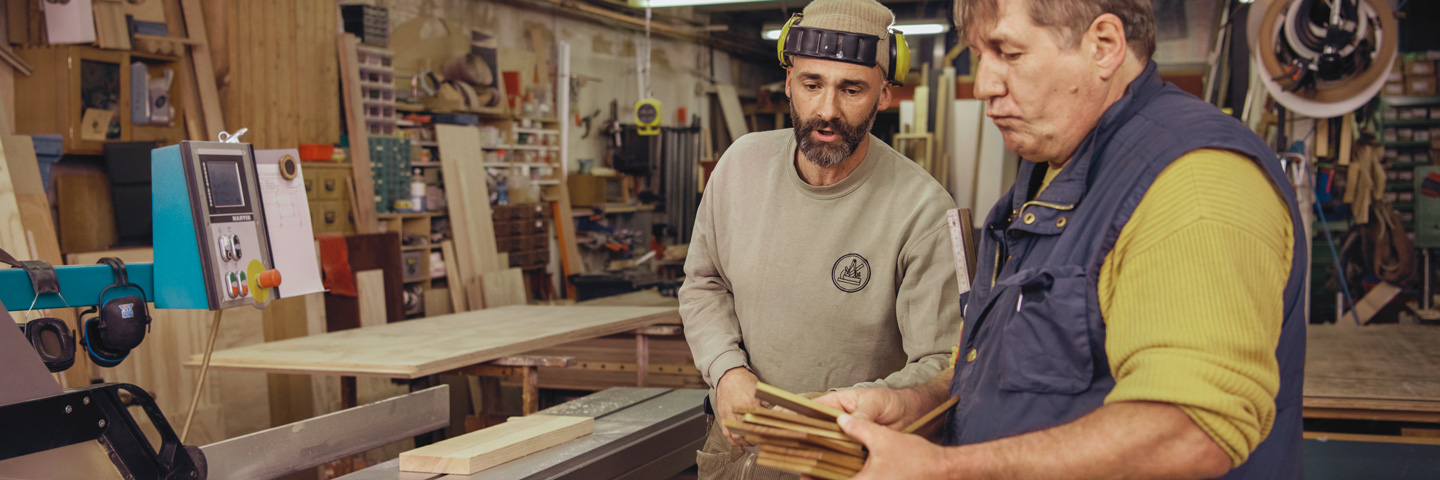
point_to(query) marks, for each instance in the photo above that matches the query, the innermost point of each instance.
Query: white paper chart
(287, 216)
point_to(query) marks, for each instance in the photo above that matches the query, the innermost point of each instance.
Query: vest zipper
(1044, 204)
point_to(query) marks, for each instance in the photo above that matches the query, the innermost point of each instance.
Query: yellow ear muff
(899, 57)
(785, 32)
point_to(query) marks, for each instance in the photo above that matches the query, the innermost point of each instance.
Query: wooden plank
(365, 216)
(789, 417)
(504, 288)
(290, 395)
(796, 403)
(1347, 140)
(570, 261)
(12, 227)
(87, 215)
(418, 348)
(834, 458)
(204, 69)
(807, 429)
(929, 420)
(810, 462)
(454, 279)
(469, 202)
(370, 289)
(479, 450)
(734, 115)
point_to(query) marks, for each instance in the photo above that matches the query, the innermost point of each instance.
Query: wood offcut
(482, 449)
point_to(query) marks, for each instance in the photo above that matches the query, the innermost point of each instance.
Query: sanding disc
(252, 277)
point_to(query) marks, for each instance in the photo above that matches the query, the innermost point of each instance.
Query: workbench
(639, 433)
(1377, 373)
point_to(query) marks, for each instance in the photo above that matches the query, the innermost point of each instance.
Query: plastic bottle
(417, 190)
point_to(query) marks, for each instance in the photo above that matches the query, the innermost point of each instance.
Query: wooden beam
(365, 217)
(204, 70)
(476, 451)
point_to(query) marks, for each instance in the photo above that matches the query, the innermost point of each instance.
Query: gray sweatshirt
(815, 288)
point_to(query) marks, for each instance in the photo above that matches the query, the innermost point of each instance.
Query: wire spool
(1313, 72)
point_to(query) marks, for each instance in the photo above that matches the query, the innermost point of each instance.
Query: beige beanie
(857, 16)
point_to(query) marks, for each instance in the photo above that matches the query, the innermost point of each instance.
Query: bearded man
(821, 258)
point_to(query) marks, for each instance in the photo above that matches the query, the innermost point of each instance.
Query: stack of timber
(808, 441)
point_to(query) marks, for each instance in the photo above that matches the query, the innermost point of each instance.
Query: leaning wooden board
(419, 348)
(482, 449)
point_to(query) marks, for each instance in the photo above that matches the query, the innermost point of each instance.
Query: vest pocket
(1045, 345)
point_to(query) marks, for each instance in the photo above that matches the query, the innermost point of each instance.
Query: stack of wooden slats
(806, 439)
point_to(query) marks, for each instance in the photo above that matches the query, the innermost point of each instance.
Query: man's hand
(892, 408)
(894, 454)
(736, 388)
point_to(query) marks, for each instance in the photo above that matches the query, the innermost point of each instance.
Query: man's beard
(829, 154)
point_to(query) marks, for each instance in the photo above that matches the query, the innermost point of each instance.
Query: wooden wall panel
(275, 67)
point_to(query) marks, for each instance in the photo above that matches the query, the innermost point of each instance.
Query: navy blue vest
(1033, 349)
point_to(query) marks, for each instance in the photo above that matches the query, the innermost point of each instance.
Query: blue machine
(212, 249)
(210, 237)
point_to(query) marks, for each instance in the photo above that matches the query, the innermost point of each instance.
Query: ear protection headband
(121, 322)
(848, 47)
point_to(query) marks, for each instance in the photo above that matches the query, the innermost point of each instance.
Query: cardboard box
(1394, 89)
(1419, 67)
(586, 190)
(1419, 86)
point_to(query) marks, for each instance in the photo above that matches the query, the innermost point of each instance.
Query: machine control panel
(229, 219)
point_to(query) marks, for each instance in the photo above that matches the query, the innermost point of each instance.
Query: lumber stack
(806, 440)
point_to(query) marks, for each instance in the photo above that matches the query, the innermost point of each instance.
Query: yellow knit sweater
(1192, 297)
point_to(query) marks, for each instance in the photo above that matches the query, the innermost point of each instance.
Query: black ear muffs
(841, 46)
(52, 341)
(120, 323)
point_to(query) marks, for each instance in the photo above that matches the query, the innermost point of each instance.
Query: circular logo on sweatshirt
(850, 273)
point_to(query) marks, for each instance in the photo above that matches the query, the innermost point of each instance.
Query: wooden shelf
(1402, 144)
(519, 164)
(540, 131)
(424, 144)
(425, 164)
(408, 215)
(613, 208)
(538, 119)
(416, 248)
(1410, 123)
(522, 147)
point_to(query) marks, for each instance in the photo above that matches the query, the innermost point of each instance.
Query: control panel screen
(222, 176)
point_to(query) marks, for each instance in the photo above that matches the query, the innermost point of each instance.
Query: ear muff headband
(104, 352)
(840, 46)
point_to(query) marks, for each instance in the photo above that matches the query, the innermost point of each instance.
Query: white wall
(597, 51)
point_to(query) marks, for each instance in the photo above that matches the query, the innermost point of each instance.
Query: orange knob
(268, 279)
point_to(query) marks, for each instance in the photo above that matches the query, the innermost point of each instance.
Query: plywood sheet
(479, 450)
(418, 348)
(734, 115)
(469, 203)
(370, 290)
(87, 215)
(989, 182)
(503, 288)
(1373, 364)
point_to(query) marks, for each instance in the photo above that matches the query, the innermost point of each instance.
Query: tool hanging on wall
(1323, 59)
(647, 116)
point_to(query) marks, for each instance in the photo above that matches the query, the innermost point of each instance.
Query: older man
(1136, 312)
(820, 257)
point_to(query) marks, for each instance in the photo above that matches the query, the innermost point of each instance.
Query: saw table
(639, 433)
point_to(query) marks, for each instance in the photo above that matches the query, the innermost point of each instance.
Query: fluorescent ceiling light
(773, 34)
(684, 3)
